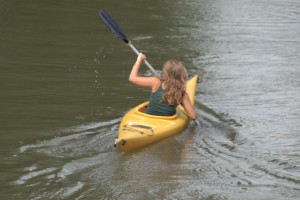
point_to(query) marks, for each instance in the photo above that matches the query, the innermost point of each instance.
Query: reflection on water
(64, 90)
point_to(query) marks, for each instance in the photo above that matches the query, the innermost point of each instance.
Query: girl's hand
(141, 57)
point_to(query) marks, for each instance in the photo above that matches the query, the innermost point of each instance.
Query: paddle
(117, 31)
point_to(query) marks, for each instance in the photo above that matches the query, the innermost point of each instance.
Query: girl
(168, 91)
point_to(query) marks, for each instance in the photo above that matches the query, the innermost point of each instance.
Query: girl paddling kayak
(168, 91)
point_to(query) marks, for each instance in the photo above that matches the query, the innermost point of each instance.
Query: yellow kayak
(138, 129)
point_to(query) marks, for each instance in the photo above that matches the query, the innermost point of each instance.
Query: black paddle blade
(112, 25)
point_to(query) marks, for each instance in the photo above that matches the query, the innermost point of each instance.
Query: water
(64, 90)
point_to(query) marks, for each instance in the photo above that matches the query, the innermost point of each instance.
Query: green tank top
(156, 107)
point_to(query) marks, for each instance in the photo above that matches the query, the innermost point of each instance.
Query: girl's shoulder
(156, 83)
(154, 79)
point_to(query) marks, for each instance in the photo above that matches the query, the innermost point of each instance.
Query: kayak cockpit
(141, 111)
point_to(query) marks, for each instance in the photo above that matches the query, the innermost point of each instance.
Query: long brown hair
(174, 78)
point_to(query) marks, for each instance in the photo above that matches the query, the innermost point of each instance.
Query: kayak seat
(142, 109)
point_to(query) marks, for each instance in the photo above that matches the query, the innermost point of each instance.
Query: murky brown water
(64, 90)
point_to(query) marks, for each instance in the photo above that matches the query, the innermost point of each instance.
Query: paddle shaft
(145, 61)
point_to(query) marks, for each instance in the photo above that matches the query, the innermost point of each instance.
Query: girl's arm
(189, 108)
(140, 80)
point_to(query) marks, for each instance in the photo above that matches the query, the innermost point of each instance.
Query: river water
(64, 89)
